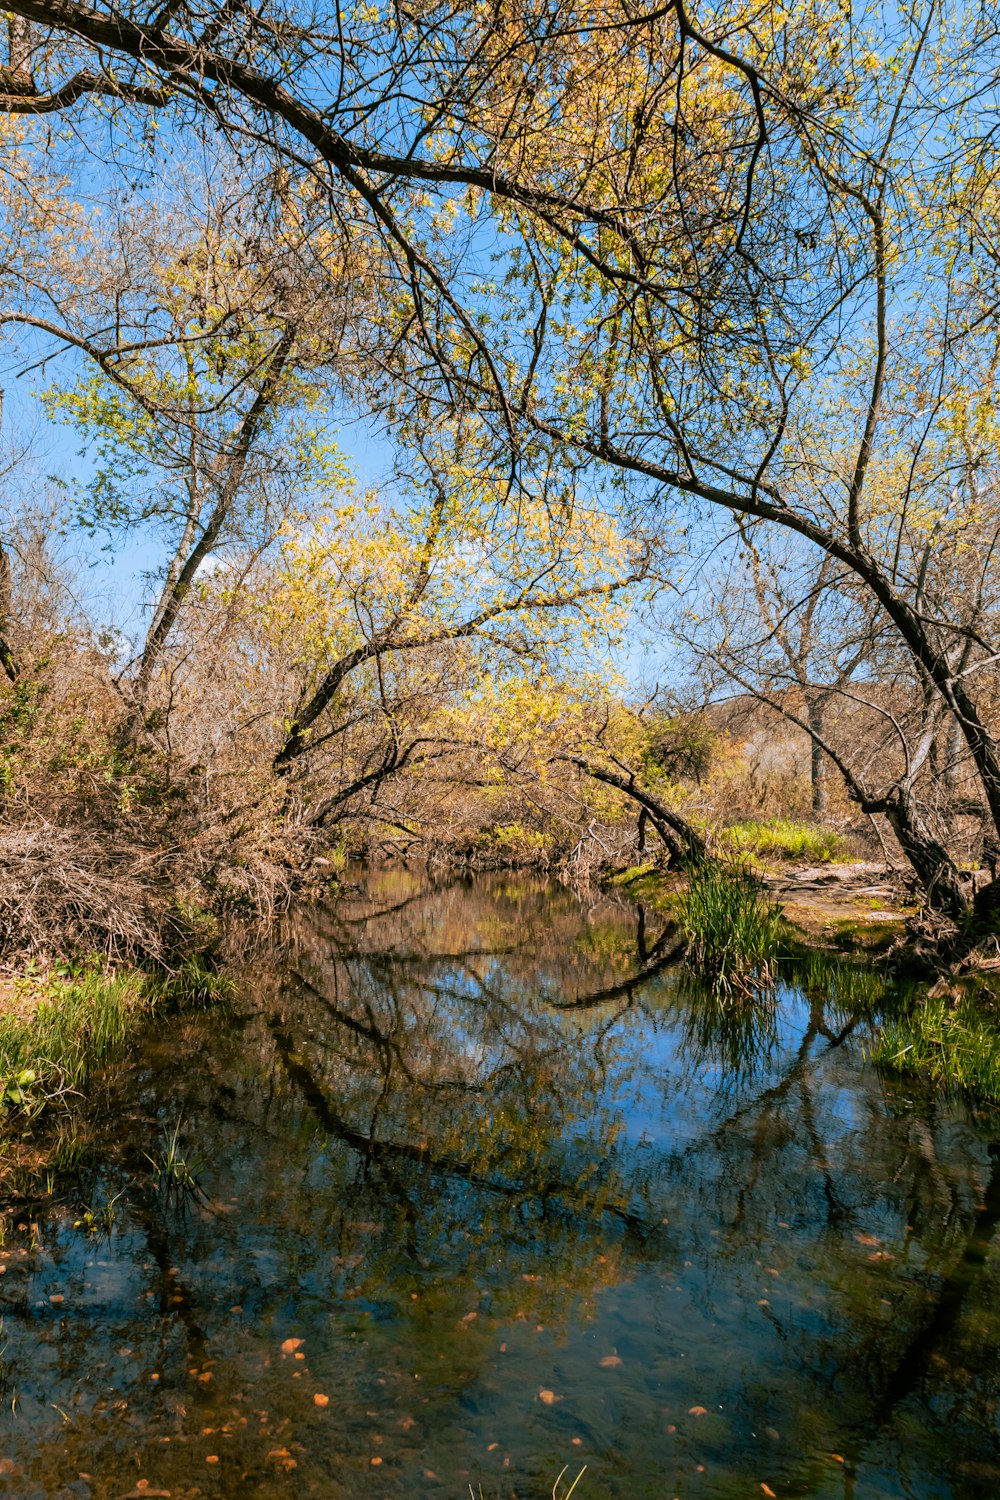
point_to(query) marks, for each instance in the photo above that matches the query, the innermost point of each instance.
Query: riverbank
(849, 906)
(942, 1027)
(59, 1027)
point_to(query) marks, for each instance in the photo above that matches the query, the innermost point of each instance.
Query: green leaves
(15, 1090)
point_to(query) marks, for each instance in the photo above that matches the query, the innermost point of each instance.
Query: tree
(799, 637)
(398, 620)
(812, 634)
(205, 420)
(717, 234)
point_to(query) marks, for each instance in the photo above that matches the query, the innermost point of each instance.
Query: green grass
(58, 1026)
(956, 1044)
(100, 1218)
(631, 874)
(733, 935)
(174, 1169)
(785, 839)
(194, 983)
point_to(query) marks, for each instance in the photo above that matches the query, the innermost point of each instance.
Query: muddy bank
(860, 905)
(844, 905)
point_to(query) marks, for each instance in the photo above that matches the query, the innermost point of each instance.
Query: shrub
(514, 843)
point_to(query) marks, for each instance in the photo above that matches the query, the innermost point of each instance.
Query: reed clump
(732, 934)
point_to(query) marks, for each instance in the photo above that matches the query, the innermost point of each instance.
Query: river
(467, 1188)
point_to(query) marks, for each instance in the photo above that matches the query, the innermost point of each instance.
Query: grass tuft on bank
(953, 1043)
(56, 1027)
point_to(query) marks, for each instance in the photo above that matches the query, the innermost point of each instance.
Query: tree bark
(931, 861)
(7, 658)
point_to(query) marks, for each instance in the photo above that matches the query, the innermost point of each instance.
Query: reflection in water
(490, 1191)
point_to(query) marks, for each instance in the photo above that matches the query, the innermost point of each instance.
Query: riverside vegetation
(499, 748)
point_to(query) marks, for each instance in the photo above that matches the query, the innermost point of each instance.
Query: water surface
(488, 1191)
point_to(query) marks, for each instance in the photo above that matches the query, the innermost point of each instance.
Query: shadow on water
(489, 1189)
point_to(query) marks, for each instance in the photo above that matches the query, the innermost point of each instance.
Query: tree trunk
(7, 659)
(184, 570)
(684, 842)
(931, 861)
(817, 760)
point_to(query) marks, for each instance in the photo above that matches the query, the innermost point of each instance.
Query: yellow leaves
(800, 363)
(540, 581)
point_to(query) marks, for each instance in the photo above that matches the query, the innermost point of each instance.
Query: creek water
(486, 1192)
